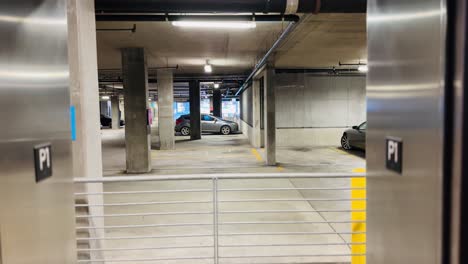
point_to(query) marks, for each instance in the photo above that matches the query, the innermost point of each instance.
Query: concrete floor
(225, 154)
(228, 154)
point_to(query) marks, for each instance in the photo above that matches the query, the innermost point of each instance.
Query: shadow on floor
(356, 152)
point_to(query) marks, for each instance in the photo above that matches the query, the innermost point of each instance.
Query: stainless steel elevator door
(406, 46)
(36, 219)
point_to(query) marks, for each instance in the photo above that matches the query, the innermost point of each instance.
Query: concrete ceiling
(319, 41)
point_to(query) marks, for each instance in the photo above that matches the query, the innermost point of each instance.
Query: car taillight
(179, 121)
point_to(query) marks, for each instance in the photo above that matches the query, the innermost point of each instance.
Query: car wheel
(225, 130)
(345, 142)
(185, 131)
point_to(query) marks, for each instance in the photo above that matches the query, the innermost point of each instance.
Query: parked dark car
(106, 121)
(209, 123)
(355, 137)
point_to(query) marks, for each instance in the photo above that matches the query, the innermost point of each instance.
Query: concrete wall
(247, 130)
(315, 110)
(246, 109)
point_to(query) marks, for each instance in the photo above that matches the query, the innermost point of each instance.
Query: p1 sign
(43, 161)
(394, 154)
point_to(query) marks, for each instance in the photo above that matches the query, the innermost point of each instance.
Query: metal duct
(230, 6)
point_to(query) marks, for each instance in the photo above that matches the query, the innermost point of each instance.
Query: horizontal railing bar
(142, 203)
(144, 214)
(142, 237)
(143, 192)
(292, 245)
(291, 211)
(290, 222)
(291, 233)
(293, 256)
(140, 260)
(137, 178)
(142, 226)
(294, 200)
(137, 249)
(289, 189)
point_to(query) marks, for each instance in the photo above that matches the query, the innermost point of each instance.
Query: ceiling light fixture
(216, 85)
(208, 68)
(215, 24)
(363, 68)
(105, 97)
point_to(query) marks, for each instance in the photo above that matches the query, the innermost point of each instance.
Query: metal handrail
(218, 225)
(219, 176)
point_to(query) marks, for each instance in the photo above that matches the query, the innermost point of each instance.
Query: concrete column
(195, 115)
(104, 107)
(270, 117)
(217, 103)
(122, 109)
(115, 112)
(166, 109)
(84, 97)
(137, 129)
(257, 132)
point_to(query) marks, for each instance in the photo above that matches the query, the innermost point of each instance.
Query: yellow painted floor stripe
(358, 216)
(279, 168)
(340, 151)
(359, 170)
(257, 155)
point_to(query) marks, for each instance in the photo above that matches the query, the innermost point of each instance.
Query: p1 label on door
(43, 161)
(394, 154)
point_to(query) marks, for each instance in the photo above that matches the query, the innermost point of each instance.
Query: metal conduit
(163, 18)
(267, 55)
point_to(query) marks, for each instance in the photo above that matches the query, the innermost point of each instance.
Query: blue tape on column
(73, 122)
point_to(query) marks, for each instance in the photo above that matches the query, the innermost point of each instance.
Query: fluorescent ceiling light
(215, 24)
(363, 68)
(208, 68)
(105, 97)
(216, 85)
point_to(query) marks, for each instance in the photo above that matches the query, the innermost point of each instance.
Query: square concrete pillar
(195, 115)
(166, 109)
(217, 103)
(84, 98)
(256, 140)
(270, 116)
(137, 129)
(115, 112)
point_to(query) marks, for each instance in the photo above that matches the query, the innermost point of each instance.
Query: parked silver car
(209, 123)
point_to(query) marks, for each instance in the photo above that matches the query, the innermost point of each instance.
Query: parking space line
(357, 206)
(359, 170)
(340, 151)
(257, 155)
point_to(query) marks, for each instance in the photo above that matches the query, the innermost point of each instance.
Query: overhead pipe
(265, 58)
(133, 29)
(162, 18)
(230, 6)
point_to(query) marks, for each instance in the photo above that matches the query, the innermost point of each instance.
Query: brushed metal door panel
(406, 45)
(36, 219)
